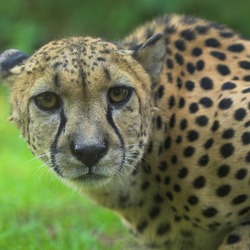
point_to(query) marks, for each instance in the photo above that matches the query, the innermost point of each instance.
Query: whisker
(38, 157)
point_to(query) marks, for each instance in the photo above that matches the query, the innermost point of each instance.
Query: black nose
(89, 154)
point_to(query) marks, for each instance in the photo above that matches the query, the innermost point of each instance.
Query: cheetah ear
(151, 54)
(9, 60)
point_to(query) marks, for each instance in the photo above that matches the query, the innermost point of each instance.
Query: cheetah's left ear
(9, 60)
(151, 54)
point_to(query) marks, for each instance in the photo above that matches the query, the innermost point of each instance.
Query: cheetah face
(84, 105)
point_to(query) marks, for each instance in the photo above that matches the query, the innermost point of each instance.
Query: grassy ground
(38, 212)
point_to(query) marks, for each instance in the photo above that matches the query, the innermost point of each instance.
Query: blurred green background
(36, 210)
(26, 24)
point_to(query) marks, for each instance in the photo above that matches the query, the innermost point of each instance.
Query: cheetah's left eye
(47, 101)
(119, 95)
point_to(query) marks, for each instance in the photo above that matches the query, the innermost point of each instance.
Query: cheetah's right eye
(47, 101)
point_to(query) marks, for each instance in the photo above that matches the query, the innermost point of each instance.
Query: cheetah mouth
(90, 178)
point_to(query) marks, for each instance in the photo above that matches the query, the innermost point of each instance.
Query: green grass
(38, 212)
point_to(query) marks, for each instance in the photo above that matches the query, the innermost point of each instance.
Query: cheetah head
(84, 105)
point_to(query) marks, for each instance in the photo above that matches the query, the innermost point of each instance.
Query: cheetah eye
(47, 101)
(119, 95)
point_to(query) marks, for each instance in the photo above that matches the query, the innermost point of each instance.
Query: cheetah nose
(89, 154)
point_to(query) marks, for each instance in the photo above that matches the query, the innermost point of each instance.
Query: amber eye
(119, 95)
(47, 101)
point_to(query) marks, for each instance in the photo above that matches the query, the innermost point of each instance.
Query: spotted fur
(173, 159)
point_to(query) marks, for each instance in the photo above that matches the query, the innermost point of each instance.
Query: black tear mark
(53, 148)
(111, 122)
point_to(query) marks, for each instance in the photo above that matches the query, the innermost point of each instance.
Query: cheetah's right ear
(151, 54)
(9, 60)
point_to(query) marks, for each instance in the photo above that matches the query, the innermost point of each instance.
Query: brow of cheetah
(155, 127)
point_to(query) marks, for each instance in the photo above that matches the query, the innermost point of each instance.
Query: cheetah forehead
(74, 61)
(72, 50)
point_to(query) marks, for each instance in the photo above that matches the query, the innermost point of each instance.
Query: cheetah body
(176, 155)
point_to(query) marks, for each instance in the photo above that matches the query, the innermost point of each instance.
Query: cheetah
(154, 127)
